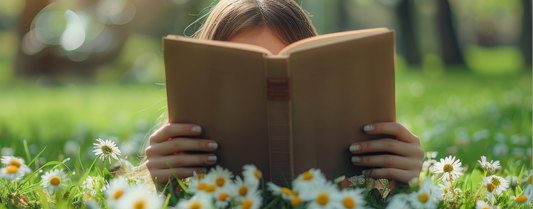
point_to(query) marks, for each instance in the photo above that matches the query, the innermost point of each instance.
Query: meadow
(454, 113)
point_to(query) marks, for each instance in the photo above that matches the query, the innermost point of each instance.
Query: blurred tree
(407, 34)
(525, 42)
(451, 51)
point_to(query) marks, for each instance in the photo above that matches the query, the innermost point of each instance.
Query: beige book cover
(284, 113)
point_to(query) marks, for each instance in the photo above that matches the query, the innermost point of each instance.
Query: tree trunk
(451, 52)
(525, 40)
(408, 45)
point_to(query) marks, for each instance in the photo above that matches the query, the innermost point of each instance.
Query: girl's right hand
(170, 144)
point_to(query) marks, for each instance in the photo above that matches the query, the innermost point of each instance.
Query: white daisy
(449, 167)
(221, 176)
(285, 192)
(526, 197)
(432, 154)
(398, 201)
(224, 195)
(12, 160)
(352, 199)
(54, 180)
(295, 200)
(251, 201)
(423, 198)
(251, 174)
(495, 185)
(106, 149)
(489, 166)
(13, 172)
(139, 198)
(324, 196)
(90, 185)
(118, 188)
(308, 180)
(426, 165)
(197, 185)
(244, 188)
(480, 204)
(200, 201)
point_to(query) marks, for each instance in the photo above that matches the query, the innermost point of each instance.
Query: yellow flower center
(348, 202)
(118, 194)
(243, 191)
(286, 191)
(12, 169)
(223, 196)
(247, 204)
(485, 207)
(15, 163)
(496, 181)
(423, 198)
(220, 181)
(210, 188)
(447, 168)
(200, 176)
(196, 205)
(308, 176)
(139, 204)
(490, 187)
(201, 186)
(54, 181)
(322, 199)
(296, 201)
(520, 199)
(529, 181)
(107, 150)
(257, 174)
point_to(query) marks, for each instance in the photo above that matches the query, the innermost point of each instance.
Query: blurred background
(72, 71)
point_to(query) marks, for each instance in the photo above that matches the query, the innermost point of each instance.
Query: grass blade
(29, 164)
(27, 150)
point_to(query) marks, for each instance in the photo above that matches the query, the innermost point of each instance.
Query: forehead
(263, 37)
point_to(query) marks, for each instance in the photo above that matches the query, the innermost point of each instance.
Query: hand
(170, 144)
(405, 164)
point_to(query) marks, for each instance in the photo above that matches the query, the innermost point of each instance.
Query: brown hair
(284, 17)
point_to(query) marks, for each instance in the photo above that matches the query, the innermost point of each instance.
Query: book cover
(284, 113)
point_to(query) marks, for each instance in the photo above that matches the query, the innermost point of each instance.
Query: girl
(272, 24)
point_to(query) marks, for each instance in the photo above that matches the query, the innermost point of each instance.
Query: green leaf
(107, 175)
(29, 164)
(43, 199)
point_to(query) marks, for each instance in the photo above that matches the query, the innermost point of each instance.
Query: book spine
(279, 119)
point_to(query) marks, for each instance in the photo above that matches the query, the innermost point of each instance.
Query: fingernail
(356, 159)
(196, 129)
(355, 147)
(212, 159)
(212, 145)
(369, 128)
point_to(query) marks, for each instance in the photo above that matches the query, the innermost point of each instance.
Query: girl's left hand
(405, 161)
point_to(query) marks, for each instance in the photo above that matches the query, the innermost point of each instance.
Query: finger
(181, 160)
(387, 161)
(392, 128)
(180, 145)
(175, 129)
(387, 145)
(164, 174)
(400, 175)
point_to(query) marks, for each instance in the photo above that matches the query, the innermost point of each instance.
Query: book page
(332, 38)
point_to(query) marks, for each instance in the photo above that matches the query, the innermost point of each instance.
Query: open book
(284, 113)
